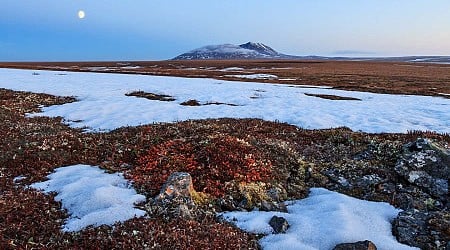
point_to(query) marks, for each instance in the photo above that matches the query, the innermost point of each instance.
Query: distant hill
(252, 50)
(248, 50)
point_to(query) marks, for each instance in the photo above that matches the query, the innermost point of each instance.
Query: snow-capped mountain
(248, 50)
(253, 50)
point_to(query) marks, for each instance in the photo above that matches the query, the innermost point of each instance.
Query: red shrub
(211, 164)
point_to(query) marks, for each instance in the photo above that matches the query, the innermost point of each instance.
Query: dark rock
(337, 178)
(426, 230)
(360, 245)
(426, 164)
(227, 204)
(279, 224)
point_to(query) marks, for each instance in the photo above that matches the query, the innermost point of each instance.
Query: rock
(277, 194)
(426, 164)
(175, 198)
(360, 245)
(279, 224)
(178, 186)
(426, 230)
(273, 206)
(336, 177)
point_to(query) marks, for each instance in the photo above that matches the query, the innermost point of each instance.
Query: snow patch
(255, 76)
(18, 179)
(322, 221)
(232, 69)
(91, 196)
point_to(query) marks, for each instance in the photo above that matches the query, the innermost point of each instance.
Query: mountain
(248, 50)
(253, 50)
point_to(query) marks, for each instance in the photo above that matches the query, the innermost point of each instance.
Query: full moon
(81, 14)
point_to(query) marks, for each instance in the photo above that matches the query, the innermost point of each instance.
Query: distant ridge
(253, 50)
(248, 50)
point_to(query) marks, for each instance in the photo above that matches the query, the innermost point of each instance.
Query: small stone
(360, 245)
(279, 224)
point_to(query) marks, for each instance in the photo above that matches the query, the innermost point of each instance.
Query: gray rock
(279, 224)
(273, 206)
(426, 164)
(175, 198)
(360, 245)
(426, 230)
(178, 185)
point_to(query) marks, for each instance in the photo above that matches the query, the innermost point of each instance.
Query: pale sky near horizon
(49, 30)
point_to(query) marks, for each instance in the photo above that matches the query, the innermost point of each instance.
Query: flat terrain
(380, 77)
(236, 164)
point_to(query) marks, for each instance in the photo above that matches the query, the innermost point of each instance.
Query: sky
(49, 30)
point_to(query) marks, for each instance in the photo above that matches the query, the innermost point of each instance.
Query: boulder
(360, 245)
(177, 187)
(279, 224)
(175, 198)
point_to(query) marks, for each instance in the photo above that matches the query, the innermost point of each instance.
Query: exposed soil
(333, 97)
(194, 102)
(233, 163)
(151, 96)
(379, 77)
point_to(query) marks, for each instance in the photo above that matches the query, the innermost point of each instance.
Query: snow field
(102, 104)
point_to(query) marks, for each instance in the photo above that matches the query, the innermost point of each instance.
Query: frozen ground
(322, 221)
(103, 105)
(93, 197)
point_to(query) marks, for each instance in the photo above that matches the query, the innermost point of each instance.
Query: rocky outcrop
(426, 164)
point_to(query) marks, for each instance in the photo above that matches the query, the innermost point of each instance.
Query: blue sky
(49, 30)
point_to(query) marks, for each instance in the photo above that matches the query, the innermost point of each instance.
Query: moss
(200, 198)
(254, 193)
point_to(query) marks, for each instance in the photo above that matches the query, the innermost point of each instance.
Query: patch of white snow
(255, 76)
(91, 196)
(322, 221)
